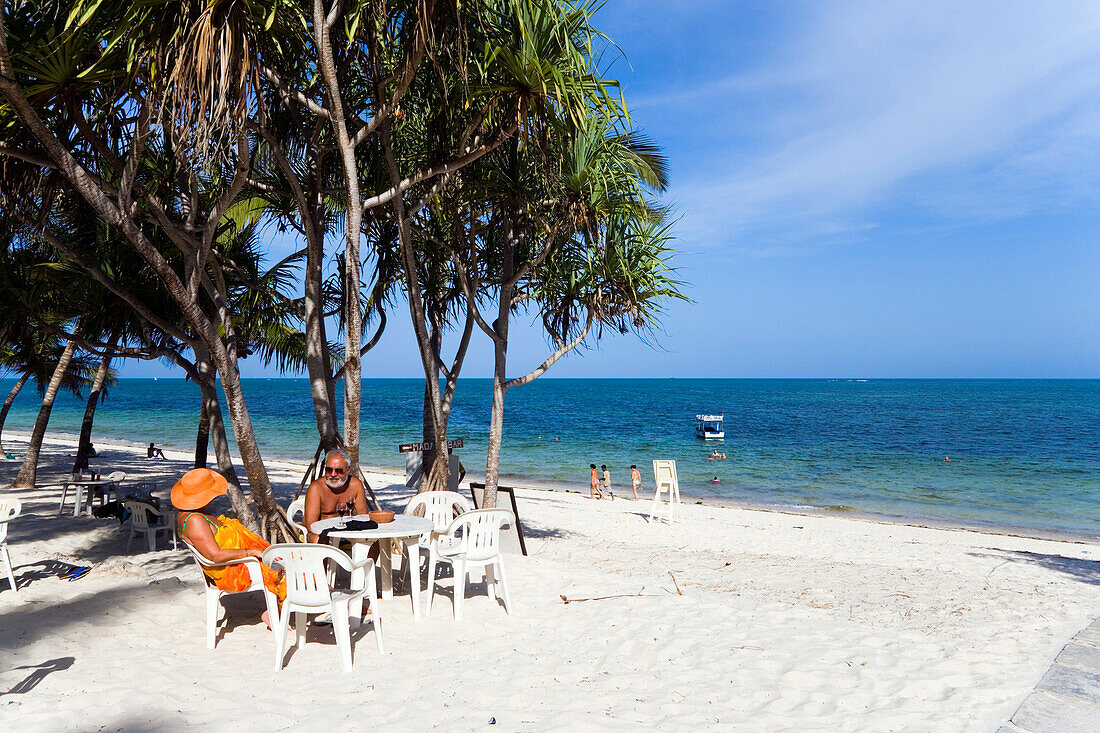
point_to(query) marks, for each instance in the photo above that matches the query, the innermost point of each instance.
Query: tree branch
(562, 350)
(449, 167)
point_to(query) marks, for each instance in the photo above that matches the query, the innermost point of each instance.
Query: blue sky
(867, 189)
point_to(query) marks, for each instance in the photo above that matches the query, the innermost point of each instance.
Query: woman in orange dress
(220, 539)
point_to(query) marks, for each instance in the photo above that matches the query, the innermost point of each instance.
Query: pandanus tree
(571, 238)
(529, 65)
(121, 99)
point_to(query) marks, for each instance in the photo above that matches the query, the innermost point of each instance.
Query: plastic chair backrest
(141, 489)
(9, 510)
(481, 532)
(440, 506)
(306, 578)
(296, 514)
(142, 513)
(254, 572)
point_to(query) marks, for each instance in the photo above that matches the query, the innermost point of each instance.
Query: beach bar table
(80, 486)
(404, 527)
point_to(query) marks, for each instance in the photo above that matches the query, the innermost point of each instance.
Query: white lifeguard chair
(664, 479)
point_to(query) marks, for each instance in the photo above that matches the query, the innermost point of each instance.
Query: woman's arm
(197, 532)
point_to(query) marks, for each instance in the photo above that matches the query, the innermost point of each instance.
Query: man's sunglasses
(335, 470)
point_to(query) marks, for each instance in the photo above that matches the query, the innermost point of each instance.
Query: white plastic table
(80, 486)
(404, 527)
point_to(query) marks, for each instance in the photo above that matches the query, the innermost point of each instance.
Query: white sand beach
(730, 618)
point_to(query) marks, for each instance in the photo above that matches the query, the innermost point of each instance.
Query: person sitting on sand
(594, 487)
(154, 452)
(220, 539)
(635, 480)
(326, 496)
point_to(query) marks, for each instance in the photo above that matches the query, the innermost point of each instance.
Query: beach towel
(233, 535)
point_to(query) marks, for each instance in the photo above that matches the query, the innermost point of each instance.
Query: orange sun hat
(197, 488)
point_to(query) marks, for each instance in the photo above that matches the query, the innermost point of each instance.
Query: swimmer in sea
(716, 480)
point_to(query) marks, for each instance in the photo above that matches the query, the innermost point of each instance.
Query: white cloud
(967, 110)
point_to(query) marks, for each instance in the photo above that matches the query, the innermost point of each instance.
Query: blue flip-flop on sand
(78, 573)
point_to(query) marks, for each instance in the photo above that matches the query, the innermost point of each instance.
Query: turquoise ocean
(1025, 454)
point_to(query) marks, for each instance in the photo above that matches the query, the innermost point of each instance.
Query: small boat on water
(709, 427)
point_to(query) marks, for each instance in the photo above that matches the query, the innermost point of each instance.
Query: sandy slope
(786, 622)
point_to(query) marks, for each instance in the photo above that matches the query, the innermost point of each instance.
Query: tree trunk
(353, 218)
(28, 472)
(273, 526)
(7, 406)
(429, 457)
(213, 410)
(436, 478)
(496, 422)
(202, 437)
(500, 366)
(317, 355)
(93, 400)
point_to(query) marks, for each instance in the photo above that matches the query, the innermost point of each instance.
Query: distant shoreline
(537, 484)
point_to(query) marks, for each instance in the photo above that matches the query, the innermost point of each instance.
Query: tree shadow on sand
(38, 672)
(1085, 571)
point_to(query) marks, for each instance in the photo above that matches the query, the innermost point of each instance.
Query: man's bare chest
(330, 499)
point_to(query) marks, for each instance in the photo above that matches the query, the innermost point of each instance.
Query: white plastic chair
(308, 591)
(116, 478)
(144, 519)
(441, 507)
(10, 508)
(295, 515)
(473, 540)
(137, 490)
(214, 593)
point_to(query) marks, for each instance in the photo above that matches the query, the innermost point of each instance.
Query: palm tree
(37, 364)
(32, 313)
(28, 472)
